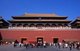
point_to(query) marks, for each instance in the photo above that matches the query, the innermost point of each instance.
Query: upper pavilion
(3, 23)
(39, 20)
(76, 23)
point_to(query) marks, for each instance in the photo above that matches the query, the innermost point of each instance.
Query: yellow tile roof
(40, 15)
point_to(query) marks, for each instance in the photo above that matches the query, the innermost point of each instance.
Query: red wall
(47, 35)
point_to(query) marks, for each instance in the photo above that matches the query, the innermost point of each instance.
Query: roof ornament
(25, 13)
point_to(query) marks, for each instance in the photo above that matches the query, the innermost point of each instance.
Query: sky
(70, 8)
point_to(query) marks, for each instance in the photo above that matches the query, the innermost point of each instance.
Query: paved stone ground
(11, 48)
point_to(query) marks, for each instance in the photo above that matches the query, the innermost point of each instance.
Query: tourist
(66, 45)
(16, 43)
(20, 44)
(59, 45)
(78, 45)
(70, 46)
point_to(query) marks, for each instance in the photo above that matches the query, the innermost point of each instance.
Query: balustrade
(39, 28)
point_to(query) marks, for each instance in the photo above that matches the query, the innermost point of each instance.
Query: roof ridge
(37, 14)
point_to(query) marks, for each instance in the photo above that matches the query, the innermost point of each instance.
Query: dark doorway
(55, 40)
(0, 37)
(39, 40)
(23, 40)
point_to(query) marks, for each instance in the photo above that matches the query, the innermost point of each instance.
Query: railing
(39, 28)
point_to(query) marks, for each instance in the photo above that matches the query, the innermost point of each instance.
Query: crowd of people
(64, 44)
(32, 45)
(69, 44)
